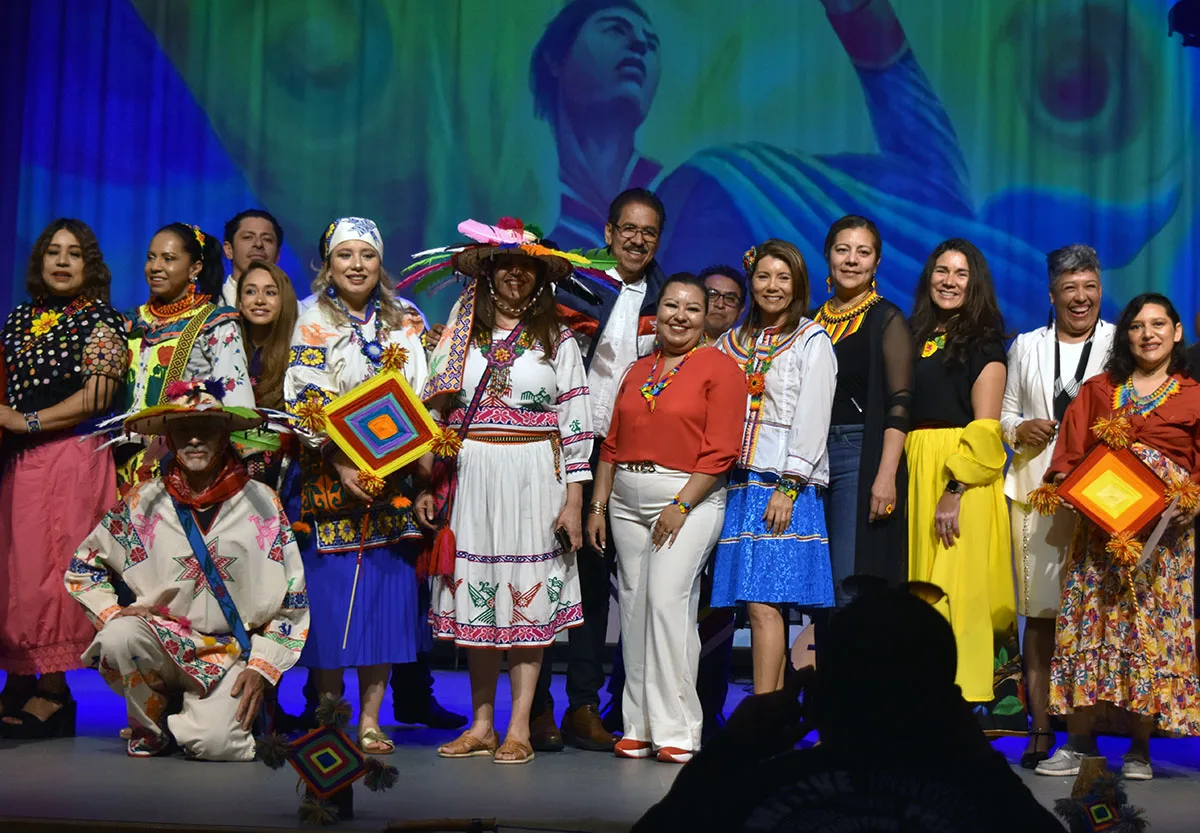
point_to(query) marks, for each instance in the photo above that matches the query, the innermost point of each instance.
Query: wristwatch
(954, 487)
(32, 424)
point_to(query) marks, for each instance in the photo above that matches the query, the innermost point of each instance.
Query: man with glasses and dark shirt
(726, 294)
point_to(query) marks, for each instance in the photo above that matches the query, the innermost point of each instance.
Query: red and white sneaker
(628, 748)
(674, 755)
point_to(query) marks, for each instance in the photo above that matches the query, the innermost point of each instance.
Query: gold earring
(829, 283)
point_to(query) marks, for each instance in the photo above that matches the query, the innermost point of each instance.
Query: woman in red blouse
(675, 432)
(1124, 631)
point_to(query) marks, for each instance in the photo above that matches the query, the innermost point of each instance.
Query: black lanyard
(1063, 394)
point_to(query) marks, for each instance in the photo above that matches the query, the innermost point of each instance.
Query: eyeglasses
(729, 299)
(630, 231)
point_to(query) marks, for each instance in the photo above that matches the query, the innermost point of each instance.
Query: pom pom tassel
(1113, 431)
(438, 558)
(372, 484)
(1187, 492)
(401, 502)
(273, 750)
(314, 811)
(394, 358)
(1125, 549)
(310, 413)
(447, 443)
(333, 711)
(1045, 499)
(380, 776)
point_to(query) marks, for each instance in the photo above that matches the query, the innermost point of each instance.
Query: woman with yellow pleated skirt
(958, 527)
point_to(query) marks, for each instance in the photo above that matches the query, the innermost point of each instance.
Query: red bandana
(229, 482)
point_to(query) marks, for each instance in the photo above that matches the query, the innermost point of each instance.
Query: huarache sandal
(467, 745)
(381, 743)
(517, 752)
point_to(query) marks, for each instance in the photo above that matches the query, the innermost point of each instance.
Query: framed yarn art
(1115, 490)
(382, 425)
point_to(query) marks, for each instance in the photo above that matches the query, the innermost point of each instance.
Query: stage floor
(90, 777)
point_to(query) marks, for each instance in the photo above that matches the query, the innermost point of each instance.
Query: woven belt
(521, 438)
(639, 466)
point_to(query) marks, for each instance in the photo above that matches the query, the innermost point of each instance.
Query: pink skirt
(52, 495)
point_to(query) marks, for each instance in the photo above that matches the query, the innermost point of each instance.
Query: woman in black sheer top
(864, 507)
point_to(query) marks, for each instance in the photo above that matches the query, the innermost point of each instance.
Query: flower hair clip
(748, 259)
(199, 235)
(325, 240)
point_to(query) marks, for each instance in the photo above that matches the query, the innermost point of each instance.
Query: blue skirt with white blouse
(752, 565)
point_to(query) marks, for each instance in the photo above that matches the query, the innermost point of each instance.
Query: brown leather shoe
(543, 733)
(583, 728)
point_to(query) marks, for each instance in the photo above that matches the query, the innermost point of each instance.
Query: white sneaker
(1064, 761)
(1135, 769)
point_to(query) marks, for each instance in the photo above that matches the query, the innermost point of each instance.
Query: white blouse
(787, 426)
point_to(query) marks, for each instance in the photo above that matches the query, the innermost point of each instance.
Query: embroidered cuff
(269, 672)
(103, 616)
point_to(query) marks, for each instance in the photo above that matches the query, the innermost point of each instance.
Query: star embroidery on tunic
(192, 571)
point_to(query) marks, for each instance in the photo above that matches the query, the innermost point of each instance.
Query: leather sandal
(467, 745)
(377, 737)
(522, 753)
(1033, 757)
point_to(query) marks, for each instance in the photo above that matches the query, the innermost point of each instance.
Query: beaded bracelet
(684, 506)
(788, 486)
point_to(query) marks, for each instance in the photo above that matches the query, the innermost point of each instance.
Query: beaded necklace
(1126, 397)
(189, 302)
(501, 355)
(372, 350)
(845, 323)
(756, 368)
(932, 345)
(651, 389)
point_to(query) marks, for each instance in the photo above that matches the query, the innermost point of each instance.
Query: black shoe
(61, 724)
(430, 713)
(1033, 757)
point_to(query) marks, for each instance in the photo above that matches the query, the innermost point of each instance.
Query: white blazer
(1029, 394)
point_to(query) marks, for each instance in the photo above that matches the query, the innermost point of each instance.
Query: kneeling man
(220, 608)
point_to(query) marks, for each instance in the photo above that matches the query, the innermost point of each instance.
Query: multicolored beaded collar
(845, 323)
(1125, 397)
(651, 389)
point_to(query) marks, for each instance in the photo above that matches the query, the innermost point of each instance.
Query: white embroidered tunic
(142, 542)
(787, 424)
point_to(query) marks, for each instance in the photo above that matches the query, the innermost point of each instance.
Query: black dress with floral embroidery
(53, 345)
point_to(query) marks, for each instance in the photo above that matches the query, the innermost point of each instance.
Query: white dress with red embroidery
(250, 541)
(532, 435)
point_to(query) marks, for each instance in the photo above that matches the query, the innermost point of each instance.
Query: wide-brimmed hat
(191, 400)
(509, 236)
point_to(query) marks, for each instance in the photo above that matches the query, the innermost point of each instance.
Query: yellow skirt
(976, 573)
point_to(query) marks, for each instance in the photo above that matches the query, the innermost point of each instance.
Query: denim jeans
(841, 503)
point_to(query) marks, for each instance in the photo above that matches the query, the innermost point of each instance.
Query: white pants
(659, 593)
(136, 666)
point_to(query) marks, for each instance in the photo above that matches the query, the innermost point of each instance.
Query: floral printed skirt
(1128, 640)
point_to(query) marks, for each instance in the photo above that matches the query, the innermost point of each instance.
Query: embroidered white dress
(387, 621)
(787, 426)
(531, 436)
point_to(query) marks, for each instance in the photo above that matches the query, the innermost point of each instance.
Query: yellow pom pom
(310, 413)
(1113, 431)
(394, 358)
(1045, 499)
(447, 443)
(1125, 549)
(370, 483)
(1186, 491)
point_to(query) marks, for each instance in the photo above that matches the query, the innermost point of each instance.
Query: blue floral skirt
(754, 566)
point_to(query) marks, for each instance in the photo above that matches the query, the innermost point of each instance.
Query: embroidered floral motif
(932, 345)
(44, 323)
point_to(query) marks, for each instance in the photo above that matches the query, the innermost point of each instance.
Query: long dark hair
(207, 253)
(268, 392)
(96, 276)
(789, 254)
(1121, 363)
(978, 320)
(541, 319)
